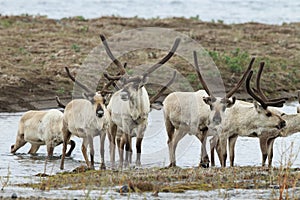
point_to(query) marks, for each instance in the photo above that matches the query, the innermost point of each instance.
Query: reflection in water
(22, 167)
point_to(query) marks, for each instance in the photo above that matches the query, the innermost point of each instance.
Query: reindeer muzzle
(99, 111)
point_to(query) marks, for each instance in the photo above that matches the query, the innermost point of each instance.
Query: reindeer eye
(269, 114)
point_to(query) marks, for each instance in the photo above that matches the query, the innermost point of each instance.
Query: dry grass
(175, 180)
(35, 50)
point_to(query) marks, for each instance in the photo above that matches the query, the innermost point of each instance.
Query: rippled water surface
(21, 167)
(233, 11)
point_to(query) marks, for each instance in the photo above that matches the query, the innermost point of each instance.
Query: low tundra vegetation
(175, 180)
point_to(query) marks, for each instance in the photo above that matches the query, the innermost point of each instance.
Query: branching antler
(259, 91)
(77, 82)
(263, 103)
(148, 71)
(233, 90)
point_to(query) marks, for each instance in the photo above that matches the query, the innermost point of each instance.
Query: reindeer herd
(202, 113)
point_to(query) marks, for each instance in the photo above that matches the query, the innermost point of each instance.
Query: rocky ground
(35, 50)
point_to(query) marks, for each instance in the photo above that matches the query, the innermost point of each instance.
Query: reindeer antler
(233, 90)
(156, 96)
(77, 82)
(204, 85)
(148, 71)
(103, 91)
(165, 59)
(263, 103)
(259, 91)
(112, 57)
(59, 103)
(238, 85)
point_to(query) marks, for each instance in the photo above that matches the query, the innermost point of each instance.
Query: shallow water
(22, 167)
(233, 11)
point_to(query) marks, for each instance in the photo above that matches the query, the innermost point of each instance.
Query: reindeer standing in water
(129, 108)
(189, 113)
(267, 138)
(246, 119)
(86, 118)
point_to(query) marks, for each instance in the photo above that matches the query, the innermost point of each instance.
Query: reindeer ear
(209, 100)
(258, 107)
(230, 103)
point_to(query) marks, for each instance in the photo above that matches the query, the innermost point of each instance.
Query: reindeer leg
(50, 150)
(222, 150)
(204, 160)
(138, 151)
(112, 144)
(263, 148)
(178, 135)
(270, 151)
(84, 152)
(92, 152)
(232, 141)
(213, 143)
(139, 140)
(128, 148)
(72, 143)
(170, 130)
(102, 142)
(34, 148)
(66, 138)
(121, 143)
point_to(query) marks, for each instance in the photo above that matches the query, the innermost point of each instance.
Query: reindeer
(153, 103)
(246, 119)
(266, 139)
(189, 113)
(86, 118)
(129, 108)
(41, 128)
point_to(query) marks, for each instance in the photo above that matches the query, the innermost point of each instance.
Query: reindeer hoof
(204, 165)
(92, 167)
(171, 165)
(102, 166)
(138, 164)
(120, 166)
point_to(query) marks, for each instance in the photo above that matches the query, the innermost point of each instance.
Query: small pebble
(155, 194)
(276, 187)
(124, 189)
